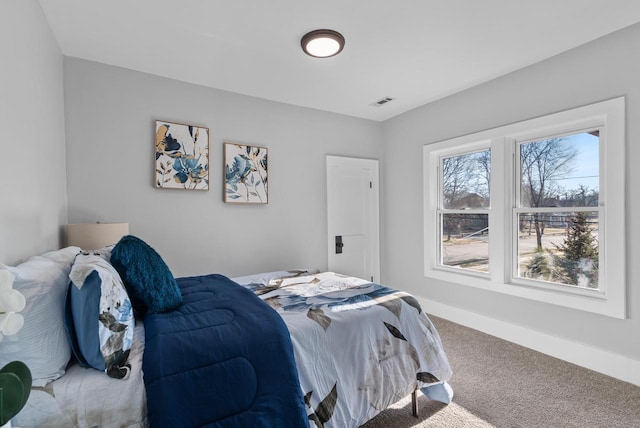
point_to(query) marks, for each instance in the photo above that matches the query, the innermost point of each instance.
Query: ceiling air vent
(382, 101)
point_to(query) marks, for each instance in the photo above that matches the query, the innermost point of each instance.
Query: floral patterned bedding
(359, 346)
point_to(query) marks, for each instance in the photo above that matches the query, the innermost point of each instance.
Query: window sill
(592, 301)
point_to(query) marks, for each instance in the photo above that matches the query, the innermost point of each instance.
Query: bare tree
(582, 196)
(541, 164)
(455, 178)
(465, 182)
(465, 174)
(483, 162)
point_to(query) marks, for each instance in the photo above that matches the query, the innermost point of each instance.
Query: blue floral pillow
(99, 316)
(151, 285)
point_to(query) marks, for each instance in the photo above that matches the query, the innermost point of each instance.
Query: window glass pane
(559, 247)
(560, 172)
(465, 180)
(465, 241)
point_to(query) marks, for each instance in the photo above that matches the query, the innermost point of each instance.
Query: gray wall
(110, 115)
(606, 68)
(33, 198)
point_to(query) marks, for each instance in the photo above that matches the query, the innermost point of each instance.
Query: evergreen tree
(538, 267)
(578, 253)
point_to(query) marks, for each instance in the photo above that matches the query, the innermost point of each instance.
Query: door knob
(339, 244)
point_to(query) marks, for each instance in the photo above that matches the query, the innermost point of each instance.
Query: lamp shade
(92, 236)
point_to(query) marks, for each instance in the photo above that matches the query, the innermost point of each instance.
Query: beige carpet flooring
(500, 384)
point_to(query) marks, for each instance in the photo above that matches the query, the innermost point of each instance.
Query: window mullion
(497, 220)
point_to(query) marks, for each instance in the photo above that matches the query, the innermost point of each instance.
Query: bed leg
(414, 403)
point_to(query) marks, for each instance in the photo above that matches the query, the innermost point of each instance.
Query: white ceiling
(415, 51)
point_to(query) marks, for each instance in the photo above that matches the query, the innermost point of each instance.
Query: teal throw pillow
(151, 286)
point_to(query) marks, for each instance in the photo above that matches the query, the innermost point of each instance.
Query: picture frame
(181, 156)
(245, 174)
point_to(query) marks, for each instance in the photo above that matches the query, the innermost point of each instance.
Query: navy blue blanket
(224, 358)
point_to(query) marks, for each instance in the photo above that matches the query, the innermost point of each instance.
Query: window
(557, 214)
(464, 211)
(534, 209)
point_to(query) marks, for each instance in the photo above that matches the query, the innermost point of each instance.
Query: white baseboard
(602, 361)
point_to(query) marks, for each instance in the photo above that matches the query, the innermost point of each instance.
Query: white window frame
(610, 298)
(440, 210)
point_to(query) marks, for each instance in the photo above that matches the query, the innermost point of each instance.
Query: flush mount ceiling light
(322, 43)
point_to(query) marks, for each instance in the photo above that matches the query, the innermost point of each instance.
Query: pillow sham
(99, 316)
(151, 286)
(42, 342)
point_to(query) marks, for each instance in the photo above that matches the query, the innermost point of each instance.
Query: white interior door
(353, 217)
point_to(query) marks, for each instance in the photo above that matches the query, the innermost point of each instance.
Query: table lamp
(93, 236)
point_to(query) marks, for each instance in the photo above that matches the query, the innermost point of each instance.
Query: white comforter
(359, 347)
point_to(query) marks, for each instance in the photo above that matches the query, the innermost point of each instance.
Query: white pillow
(42, 343)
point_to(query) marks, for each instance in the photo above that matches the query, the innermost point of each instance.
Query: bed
(356, 348)
(359, 347)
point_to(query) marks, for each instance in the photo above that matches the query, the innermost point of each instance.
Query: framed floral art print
(245, 174)
(182, 156)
